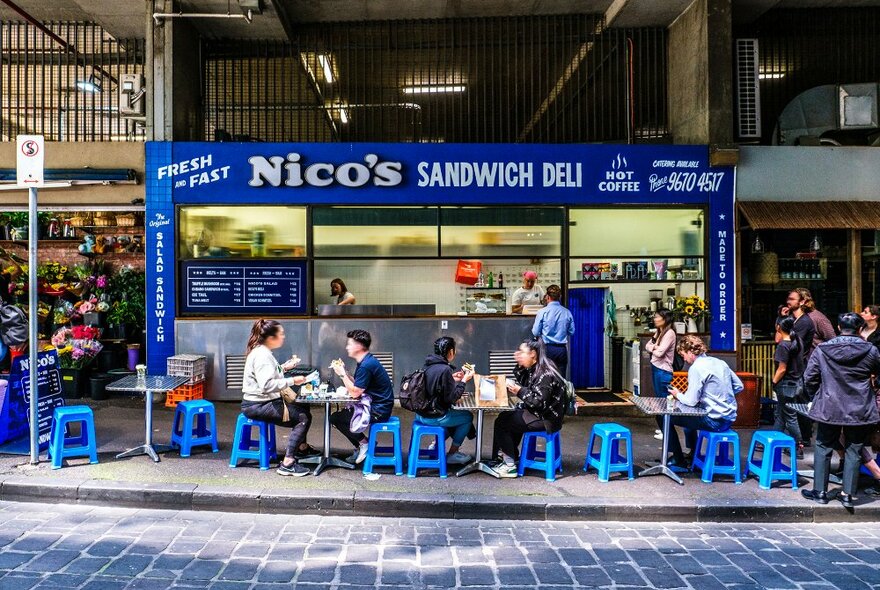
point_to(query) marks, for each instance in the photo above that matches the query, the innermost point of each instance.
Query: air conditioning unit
(748, 92)
(132, 94)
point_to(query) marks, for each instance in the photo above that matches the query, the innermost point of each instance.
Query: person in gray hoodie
(838, 380)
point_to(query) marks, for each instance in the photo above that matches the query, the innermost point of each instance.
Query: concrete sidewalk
(205, 481)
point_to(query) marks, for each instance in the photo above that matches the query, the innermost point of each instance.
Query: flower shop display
(77, 347)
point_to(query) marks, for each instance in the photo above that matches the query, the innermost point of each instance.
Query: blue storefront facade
(184, 174)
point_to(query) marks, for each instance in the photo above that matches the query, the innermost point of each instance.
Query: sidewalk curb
(175, 496)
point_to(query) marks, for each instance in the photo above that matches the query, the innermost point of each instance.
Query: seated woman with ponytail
(542, 391)
(263, 384)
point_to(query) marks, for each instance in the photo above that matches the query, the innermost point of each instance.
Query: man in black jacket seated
(444, 387)
(838, 379)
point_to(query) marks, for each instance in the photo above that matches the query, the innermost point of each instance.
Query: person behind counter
(445, 387)
(262, 384)
(555, 325)
(529, 294)
(341, 292)
(370, 378)
(542, 391)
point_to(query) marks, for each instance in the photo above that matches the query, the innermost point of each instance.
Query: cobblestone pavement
(60, 546)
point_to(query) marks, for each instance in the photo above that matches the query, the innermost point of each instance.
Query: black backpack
(13, 325)
(414, 394)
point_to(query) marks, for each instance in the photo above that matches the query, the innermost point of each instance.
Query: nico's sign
(29, 160)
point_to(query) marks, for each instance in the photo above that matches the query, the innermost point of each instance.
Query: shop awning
(810, 214)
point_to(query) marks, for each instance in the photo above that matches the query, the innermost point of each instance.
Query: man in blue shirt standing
(712, 386)
(554, 325)
(371, 379)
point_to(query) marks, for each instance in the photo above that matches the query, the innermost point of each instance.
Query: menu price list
(244, 288)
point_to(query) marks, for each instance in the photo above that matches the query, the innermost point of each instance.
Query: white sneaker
(459, 458)
(506, 470)
(433, 444)
(361, 454)
(658, 434)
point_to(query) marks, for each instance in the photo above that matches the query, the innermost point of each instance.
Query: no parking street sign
(29, 160)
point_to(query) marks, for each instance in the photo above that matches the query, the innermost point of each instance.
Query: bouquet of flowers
(77, 346)
(692, 307)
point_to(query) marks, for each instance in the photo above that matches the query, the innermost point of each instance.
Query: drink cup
(670, 402)
(141, 372)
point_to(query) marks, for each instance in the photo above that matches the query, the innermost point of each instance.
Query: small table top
(149, 383)
(469, 402)
(324, 400)
(657, 406)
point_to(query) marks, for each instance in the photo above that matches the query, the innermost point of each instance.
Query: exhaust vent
(748, 93)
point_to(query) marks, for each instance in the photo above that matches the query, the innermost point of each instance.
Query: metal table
(147, 386)
(468, 402)
(656, 406)
(804, 409)
(325, 460)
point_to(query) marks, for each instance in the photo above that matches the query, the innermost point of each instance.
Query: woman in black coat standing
(838, 380)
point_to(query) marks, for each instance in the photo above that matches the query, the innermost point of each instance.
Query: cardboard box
(486, 385)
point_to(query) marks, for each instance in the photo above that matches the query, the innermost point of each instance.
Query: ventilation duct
(842, 114)
(748, 92)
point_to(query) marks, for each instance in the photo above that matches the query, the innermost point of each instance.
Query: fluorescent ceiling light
(771, 76)
(434, 89)
(328, 69)
(91, 85)
(343, 116)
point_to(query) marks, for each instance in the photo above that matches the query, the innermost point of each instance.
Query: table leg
(662, 468)
(478, 464)
(148, 448)
(326, 460)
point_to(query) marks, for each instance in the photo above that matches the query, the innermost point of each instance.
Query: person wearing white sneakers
(443, 388)
(661, 347)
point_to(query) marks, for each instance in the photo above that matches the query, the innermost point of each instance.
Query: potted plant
(127, 291)
(18, 222)
(77, 347)
(691, 310)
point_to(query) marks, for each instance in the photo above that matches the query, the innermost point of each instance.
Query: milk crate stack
(186, 365)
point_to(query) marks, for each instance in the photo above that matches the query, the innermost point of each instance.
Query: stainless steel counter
(317, 341)
(399, 310)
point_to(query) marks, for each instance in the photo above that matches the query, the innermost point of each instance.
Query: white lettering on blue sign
(192, 165)
(275, 169)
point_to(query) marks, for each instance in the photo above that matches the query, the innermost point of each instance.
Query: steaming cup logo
(618, 179)
(292, 171)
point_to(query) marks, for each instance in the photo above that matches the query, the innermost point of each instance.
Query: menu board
(243, 287)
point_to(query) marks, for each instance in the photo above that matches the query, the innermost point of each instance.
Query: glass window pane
(372, 232)
(243, 232)
(497, 231)
(636, 232)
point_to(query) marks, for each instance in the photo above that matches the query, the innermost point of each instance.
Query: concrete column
(700, 76)
(174, 74)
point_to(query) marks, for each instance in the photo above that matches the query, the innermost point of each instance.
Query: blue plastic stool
(427, 458)
(721, 456)
(549, 460)
(245, 447)
(184, 436)
(377, 455)
(771, 466)
(62, 446)
(608, 459)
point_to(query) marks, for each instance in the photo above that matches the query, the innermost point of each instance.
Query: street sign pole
(30, 155)
(32, 323)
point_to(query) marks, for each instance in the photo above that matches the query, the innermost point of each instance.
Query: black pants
(342, 421)
(509, 429)
(827, 438)
(558, 353)
(273, 412)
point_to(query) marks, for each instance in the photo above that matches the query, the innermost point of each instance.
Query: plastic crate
(187, 365)
(184, 393)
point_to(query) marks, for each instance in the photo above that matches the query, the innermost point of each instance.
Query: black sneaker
(815, 495)
(873, 491)
(845, 499)
(295, 469)
(309, 451)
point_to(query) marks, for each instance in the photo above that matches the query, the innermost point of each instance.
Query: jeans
(786, 418)
(827, 437)
(691, 424)
(273, 413)
(558, 353)
(456, 422)
(661, 380)
(342, 421)
(509, 428)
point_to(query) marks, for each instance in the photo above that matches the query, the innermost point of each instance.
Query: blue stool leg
(766, 465)
(236, 443)
(264, 446)
(550, 459)
(398, 452)
(371, 449)
(214, 446)
(750, 457)
(590, 444)
(629, 456)
(713, 447)
(93, 441)
(186, 432)
(605, 460)
(57, 443)
(441, 456)
(176, 431)
(737, 467)
(413, 455)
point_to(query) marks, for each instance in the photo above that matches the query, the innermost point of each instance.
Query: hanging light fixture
(757, 245)
(92, 85)
(816, 243)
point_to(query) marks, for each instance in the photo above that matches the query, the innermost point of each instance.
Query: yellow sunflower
(702, 304)
(689, 310)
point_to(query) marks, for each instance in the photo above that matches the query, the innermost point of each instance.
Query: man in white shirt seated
(712, 386)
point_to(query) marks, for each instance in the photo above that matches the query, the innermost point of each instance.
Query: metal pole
(32, 322)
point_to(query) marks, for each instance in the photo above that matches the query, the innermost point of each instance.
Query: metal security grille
(800, 49)
(38, 83)
(517, 79)
(748, 91)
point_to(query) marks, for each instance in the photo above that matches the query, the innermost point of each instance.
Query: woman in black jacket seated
(541, 390)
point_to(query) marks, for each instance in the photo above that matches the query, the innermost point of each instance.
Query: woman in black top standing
(541, 390)
(871, 314)
(788, 379)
